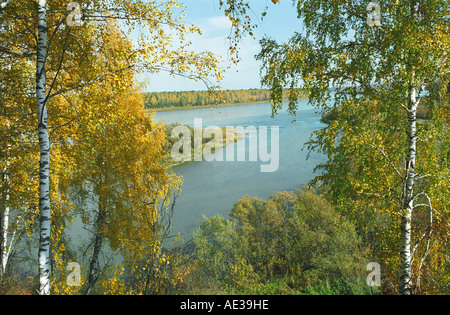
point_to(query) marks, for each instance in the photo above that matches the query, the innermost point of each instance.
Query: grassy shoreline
(187, 107)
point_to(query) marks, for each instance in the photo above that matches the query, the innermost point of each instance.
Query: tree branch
(387, 97)
(379, 195)
(16, 53)
(432, 175)
(384, 155)
(59, 66)
(89, 82)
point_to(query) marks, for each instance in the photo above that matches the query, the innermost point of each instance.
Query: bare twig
(433, 175)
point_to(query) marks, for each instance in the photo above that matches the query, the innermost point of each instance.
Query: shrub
(291, 243)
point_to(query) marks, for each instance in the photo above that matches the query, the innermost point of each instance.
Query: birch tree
(64, 56)
(375, 70)
(118, 179)
(44, 146)
(18, 186)
(5, 247)
(118, 174)
(393, 64)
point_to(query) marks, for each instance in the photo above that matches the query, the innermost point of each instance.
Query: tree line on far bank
(204, 98)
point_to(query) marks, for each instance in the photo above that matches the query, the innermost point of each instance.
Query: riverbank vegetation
(202, 98)
(194, 99)
(292, 243)
(214, 143)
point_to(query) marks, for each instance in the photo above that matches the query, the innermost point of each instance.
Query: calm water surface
(211, 188)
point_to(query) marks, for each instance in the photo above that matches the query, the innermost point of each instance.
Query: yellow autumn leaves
(108, 175)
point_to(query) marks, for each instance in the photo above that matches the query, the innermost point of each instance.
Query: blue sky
(280, 23)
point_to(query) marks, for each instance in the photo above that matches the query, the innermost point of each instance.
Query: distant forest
(204, 98)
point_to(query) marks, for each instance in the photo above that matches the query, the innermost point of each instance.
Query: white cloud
(214, 26)
(218, 23)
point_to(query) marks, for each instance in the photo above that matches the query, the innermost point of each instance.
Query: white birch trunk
(5, 248)
(44, 145)
(408, 198)
(4, 224)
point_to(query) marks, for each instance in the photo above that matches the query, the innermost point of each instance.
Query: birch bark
(44, 147)
(408, 196)
(4, 224)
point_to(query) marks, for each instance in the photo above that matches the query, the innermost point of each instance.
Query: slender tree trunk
(94, 269)
(94, 266)
(4, 223)
(44, 145)
(408, 197)
(5, 209)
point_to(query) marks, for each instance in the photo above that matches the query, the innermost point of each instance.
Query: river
(211, 188)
